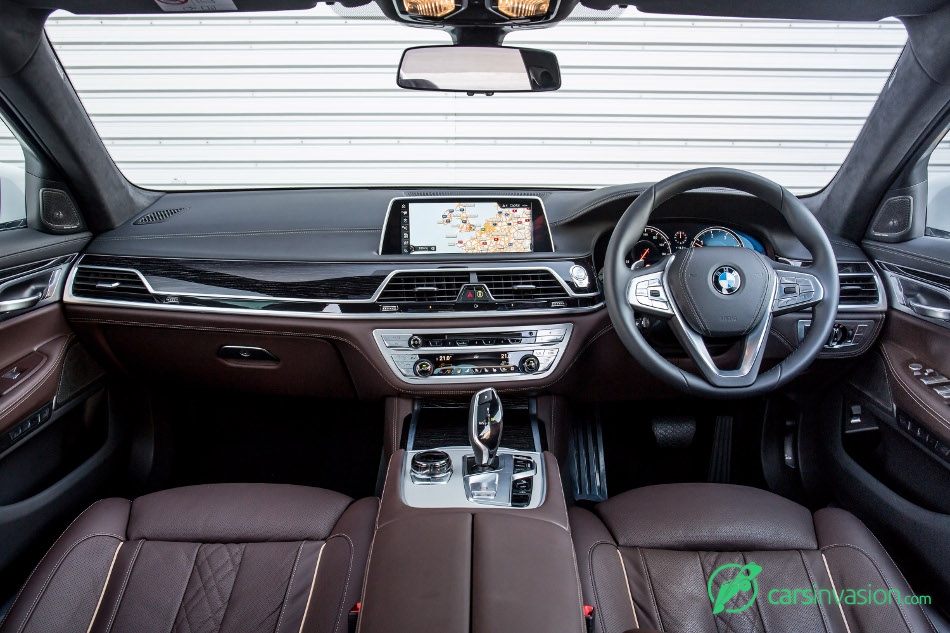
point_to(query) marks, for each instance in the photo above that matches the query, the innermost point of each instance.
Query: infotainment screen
(467, 227)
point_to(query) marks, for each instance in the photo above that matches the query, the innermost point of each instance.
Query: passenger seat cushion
(225, 557)
(707, 516)
(645, 559)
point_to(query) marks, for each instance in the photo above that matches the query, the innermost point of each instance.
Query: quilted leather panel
(209, 588)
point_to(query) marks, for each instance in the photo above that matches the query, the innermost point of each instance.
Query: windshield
(309, 99)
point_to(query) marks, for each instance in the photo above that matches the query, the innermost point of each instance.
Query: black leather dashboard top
(345, 225)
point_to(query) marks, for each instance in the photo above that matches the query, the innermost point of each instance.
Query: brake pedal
(588, 473)
(720, 461)
(674, 432)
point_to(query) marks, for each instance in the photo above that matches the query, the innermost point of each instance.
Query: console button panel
(473, 354)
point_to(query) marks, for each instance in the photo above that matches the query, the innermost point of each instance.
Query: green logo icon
(742, 582)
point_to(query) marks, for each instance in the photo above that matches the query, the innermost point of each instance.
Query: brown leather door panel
(32, 348)
(907, 341)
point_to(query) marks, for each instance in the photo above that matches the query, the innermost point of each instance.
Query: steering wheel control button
(726, 280)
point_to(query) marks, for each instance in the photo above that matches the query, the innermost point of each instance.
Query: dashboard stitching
(920, 258)
(45, 247)
(127, 238)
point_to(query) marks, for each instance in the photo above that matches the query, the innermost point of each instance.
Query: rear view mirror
(486, 69)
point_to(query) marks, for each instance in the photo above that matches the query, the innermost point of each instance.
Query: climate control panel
(473, 354)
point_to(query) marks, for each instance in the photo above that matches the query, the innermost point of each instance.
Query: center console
(472, 533)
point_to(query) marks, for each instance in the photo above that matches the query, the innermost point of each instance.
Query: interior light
(429, 8)
(522, 8)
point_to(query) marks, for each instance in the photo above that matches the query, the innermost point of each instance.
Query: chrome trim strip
(70, 298)
(382, 233)
(373, 299)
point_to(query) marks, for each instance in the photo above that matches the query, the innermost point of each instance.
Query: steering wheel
(721, 292)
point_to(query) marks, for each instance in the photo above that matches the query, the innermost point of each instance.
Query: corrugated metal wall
(309, 99)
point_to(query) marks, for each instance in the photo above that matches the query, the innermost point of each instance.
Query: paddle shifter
(484, 430)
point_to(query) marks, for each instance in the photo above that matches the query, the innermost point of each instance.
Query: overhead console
(462, 227)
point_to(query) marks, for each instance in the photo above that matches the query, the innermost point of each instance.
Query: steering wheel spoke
(647, 290)
(752, 348)
(796, 289)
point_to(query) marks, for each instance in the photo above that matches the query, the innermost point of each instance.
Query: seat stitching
(346, 584)
(52, 573)
(835, 590)
(626, 580)
(105, 585)
(646, 572)
(901, 574)
(125, 583)
(290, 584)
(593, 583)
(879, 571)
(814, 582)
(313, 584)
(38, 565)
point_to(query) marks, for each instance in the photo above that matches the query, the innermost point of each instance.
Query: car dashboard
(411, 291)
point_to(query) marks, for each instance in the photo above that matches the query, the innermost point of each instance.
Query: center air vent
(104, 283)
(158, 216)
(529, 285)
(423, 287)
(858, 284)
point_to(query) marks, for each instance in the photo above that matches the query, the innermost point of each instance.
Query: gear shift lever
(484, 430)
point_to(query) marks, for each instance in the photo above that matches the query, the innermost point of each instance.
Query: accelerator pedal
(588, 473)
(720, 460)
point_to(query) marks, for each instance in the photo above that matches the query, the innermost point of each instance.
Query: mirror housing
(478, 69)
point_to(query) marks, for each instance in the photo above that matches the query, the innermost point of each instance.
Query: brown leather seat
(646, 558)
(224, 557)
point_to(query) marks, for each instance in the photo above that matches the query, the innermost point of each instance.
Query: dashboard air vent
(423, 287)
(158, 216)
(858, 284)
(104, 283)
(528, 285)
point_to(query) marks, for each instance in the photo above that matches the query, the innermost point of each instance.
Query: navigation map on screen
(467, 227)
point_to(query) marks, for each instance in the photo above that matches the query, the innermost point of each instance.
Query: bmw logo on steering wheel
(726, 280)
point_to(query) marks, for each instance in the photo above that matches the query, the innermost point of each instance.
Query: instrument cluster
(658, 241)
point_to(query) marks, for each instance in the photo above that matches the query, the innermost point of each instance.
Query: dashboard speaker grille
(102, 283)
(858, 284)
(423, 287)
(158, 216)
(531, 285)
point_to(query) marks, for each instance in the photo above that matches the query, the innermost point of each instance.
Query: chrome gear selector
(484, 430)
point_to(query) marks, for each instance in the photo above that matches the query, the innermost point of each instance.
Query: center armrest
(471, 570)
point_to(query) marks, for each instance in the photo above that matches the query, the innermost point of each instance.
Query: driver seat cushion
(646, 557)
(221, 557)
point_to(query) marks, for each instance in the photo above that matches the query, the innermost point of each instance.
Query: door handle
(929, 311)
(12, 305)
